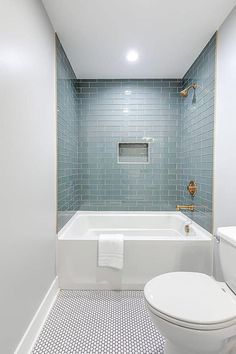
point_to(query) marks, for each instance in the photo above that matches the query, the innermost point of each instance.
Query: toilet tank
(227, 252)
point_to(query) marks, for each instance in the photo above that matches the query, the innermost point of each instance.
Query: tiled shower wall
(197, 131)
(95, 115)
(113, 111)
(67, 139)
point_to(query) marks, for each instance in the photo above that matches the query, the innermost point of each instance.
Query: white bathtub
(155, 243)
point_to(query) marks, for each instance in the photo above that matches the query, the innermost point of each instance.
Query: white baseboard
(32, 332)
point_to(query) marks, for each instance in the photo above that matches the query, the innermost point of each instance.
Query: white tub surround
(154, 243)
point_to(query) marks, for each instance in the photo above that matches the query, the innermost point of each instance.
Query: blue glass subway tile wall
(67, 139)
(128, 111)
(94, 116)
(197, 132)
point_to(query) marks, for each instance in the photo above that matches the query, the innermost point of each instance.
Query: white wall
(224, 209)
(225, 127)
(27, 163)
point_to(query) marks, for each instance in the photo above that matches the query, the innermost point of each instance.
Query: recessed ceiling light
(132, 55)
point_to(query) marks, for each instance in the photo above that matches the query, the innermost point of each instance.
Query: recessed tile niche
(137, 153)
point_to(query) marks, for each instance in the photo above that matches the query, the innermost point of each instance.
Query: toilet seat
(193, 326)
(191, 300)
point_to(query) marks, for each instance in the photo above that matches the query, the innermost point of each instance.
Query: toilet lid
(190, 297)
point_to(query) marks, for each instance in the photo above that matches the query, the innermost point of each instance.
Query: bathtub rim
(184, 217)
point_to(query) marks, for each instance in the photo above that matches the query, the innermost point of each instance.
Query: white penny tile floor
(92, 322)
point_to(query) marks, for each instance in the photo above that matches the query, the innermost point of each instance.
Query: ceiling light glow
(132, 56)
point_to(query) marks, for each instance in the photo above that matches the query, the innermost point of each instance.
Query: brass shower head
(185, 92)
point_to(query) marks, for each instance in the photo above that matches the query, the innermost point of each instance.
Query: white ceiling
(168, 34)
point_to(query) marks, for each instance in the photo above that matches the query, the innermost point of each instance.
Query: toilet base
(171, 348)
(182, 340)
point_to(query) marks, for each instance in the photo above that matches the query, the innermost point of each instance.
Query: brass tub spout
(185, 207)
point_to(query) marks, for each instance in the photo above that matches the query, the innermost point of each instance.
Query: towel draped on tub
(111, 250)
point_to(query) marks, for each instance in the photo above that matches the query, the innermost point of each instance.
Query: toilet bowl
(195, 313)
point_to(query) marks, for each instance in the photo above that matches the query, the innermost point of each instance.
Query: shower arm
(194, 86)
(185, 92)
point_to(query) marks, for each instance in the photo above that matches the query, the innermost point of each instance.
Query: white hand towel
(111, 250)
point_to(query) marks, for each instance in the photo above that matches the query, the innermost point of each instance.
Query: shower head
(185, 92)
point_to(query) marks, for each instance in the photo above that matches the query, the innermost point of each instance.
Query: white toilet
(195, 313)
